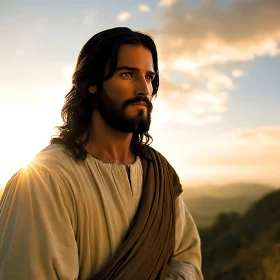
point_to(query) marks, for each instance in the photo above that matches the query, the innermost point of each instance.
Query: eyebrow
(133, 69)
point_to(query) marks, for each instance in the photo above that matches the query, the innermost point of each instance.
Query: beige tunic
(64, 220)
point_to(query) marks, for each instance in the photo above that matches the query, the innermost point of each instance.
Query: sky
(216, 118)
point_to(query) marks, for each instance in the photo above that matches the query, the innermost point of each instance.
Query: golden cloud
(194, 40)
(251, 154)
(202, 157)
(208, 34)
(264, 133)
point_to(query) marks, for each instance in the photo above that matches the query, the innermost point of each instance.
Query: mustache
(137, 100)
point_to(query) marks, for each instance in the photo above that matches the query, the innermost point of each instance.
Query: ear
(92, 89)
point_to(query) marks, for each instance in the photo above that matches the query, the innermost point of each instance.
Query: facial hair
(115, 115)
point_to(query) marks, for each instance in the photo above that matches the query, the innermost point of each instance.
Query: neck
(107, 144)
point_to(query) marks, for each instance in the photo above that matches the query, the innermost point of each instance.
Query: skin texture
(109, 142)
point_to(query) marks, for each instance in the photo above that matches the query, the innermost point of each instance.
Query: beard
(115, 115)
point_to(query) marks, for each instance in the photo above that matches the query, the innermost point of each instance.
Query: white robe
(60, 219)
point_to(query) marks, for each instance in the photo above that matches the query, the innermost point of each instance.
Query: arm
(37, 239)
(186, 262)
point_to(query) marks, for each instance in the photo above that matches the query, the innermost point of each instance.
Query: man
(99, 203)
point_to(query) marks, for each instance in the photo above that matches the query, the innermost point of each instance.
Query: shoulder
(153, 153)
(44, 164)
(52, 154)
(53, 163)
(157, 156)
(54, 158)
(45, 176)
(163, 163)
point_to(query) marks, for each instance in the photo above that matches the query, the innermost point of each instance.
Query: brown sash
(149, 244)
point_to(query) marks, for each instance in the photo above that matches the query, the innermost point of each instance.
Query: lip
(140, 104)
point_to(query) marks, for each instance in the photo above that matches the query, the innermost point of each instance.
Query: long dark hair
(90, 70)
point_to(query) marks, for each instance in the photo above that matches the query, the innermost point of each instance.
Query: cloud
(257, 145)
(263, 133)
(124, 16)
(208, 35)
(166, 3)
(248, 154)
(190, 104)
(256, 148)
(89, 17)
(237, 73)
(144, 8)
(195, 41)
(201, 100)
(219, 82)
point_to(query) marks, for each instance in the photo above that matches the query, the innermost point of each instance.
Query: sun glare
(19, 150)
(26, 129)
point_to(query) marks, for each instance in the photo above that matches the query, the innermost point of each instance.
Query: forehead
(135, 56)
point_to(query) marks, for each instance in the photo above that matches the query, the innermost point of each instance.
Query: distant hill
(206, 203)
(228, 190)
(259, 262)
(244, 246)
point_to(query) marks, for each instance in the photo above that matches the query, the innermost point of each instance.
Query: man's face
(124, 101)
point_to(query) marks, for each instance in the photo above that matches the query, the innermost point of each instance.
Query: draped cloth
(148, 247)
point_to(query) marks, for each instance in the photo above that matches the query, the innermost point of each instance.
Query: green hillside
(244, 246)
(205, 209)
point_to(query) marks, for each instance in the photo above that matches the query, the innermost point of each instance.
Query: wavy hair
(90, 69)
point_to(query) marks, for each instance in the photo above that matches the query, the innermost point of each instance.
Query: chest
(107, 200)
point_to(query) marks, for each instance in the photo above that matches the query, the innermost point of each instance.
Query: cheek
(118, 90)
(150, 90)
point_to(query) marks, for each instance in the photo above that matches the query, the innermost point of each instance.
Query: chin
(138, 112)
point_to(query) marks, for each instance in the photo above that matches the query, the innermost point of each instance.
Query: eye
(126, 74)
(150, 77)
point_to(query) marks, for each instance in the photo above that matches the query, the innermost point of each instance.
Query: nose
(144, 87)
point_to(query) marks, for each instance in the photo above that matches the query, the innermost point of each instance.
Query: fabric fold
(148, 246)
